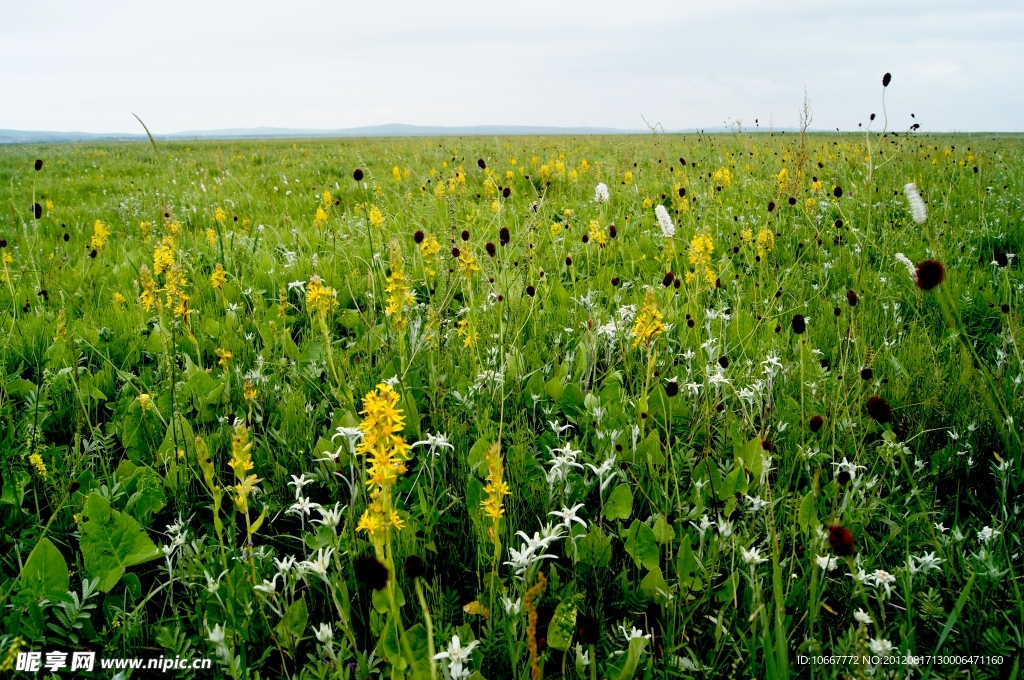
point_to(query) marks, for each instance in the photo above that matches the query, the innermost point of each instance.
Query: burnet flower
(917, 208)
(668, 229)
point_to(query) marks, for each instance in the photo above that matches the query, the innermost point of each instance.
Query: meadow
(662, 406)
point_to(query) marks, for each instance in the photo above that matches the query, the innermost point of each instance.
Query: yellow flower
(49, 205)
(649, 322)
(396, 173)
(320, 298)
(701, 248)
(219, 277)
(220, 215)
(747, 236)
(467, 263)
(399, 296)
(810, 204)
(556, 229)
(597, 234)
(38, 464)
(100, 233)
(163, 256)
(211, 236)
(494, 505)
(783, 178)
(429, 249)
(249, 391)
(145, 228)
(466, 333)
(320, 219)
(175, 229)
(328, 199)
(495, 206)
(723, 177)
(118, 299)
(628, 177)
(648, 203)
(377, 217)
(224, 357)
(386, 452)
(816, 185)
(765, 242)
(146, 402)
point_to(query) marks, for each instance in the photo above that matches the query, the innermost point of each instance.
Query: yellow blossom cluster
(494, 505)
(100, 234)
(597, 234)
(702, 246)
(399, 295)
(649, 322)
(376, 217)
(723, 177)
(429, 250)
(386, 453)
(219, 277)
(765, 242)
(241, 463)
(320, 298)
(320, 219)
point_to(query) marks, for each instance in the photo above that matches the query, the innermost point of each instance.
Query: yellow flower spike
(320, 219)
(649, 322)
(219, 277)
(100, 234)
(320, 298)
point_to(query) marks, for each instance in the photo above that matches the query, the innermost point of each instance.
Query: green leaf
(596, 547)
(663, 531)
(14, 488)
(687, 568)
(655, 585)
(572, 400)
(563, 623)
(414, 641)
(45, 574)
(642, 546)
(650, 449)
(112, 541)
(620, 503)
(145, 489)
(293, 624)
(808, 516)
(628, 662)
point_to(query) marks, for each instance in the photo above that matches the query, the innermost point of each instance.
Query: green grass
(720, 437)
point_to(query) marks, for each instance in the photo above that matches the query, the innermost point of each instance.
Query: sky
(187, 65)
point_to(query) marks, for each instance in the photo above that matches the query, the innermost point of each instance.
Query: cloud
(204, 65)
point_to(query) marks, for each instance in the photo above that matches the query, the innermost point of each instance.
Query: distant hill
(391, 130)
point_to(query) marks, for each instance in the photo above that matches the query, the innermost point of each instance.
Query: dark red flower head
(358, 175)
(886, 79)
(39, 164)
(879, 410)
(482, 164)
(930, 273)
(816, 423)
(371, 572)
(418, 236)
(414, 566)
(840, 540)
(799, 324)
(504, 236)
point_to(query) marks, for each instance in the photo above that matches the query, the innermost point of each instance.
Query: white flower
(987, 534)
(457, 656)
(217, 635)
(319, 564)
(605, 472)
(323, 633)
(582, 655)
(756, 504)
(880, 577)
(917, 207)
(511, 607)
(433, 442)
(925, 563)
(302, 507)
(351, 435)
(635, 633)
(569, 516)
(827, 563)
(880, 647)
(601, 193)
(705, 524)
(752, 556)
(861, 616)
(268, 587)
(905, 261)
(300, 285)
(848, 467)
(298, 483)
(668, 229)
(329, 517)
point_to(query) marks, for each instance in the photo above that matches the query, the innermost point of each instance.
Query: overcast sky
(187, 65)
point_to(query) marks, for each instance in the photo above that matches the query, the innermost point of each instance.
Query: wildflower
(752, 556)
(319, 297)
(987, 534)
(163, 255)
(320, 218)
(386, 452)
(879, 410)
(118, 298)
(433, 442)
(880, 647)
(399, 295)
(465, 331)
(219, 277)
(827, 563)
(223, 357)
(668, 229)
(723, 177)
(376, 217)
(925, 563)
(429, 249)
(601, 193)
(649, 324)
(765, 242)
(701, 248)
(569, 516)
(848, 468)
(39, 465)
(862, 617)
(597, 234)
(357, 175)
(467, 263)
(840, 540)
(457, 656)
(880, 577)
(929, 273)
(323, 633)
(493, 506)
(917, 208)
(328, 199)
(100, 234)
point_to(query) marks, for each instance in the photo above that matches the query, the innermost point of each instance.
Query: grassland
(256, 410)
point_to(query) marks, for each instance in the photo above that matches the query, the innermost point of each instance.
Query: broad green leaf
(687, 568)
(620, 503)
(14, 487)
(642, 546)
(563, 623)
(655, 585)
(596, 547)
(293, 624)
(663, 531)
(112, 541)
(45, 574)
(625, 666)
(414, 643)
(572, 399)
(650, 449)
(808, 517)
